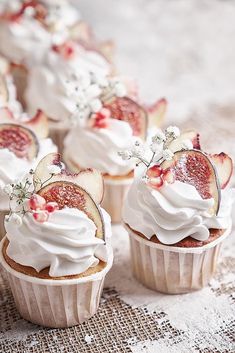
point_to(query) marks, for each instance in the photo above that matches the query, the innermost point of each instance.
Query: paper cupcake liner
(56, 303)
(173, 270)
(57, 134)
(2, 228)
(114, 194)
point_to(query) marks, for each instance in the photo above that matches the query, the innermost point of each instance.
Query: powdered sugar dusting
(19, 331)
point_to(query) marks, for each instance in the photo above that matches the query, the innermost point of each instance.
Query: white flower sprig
(90, 90)
(159, 147)
(23, 198)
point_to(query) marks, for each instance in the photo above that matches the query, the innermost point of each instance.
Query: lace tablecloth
(132, 318)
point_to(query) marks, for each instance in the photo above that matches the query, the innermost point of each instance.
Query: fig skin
(89, 179)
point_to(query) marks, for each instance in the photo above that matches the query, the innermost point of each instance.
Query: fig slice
(224, 167)
(192, 135)
(124, 108)
(6, 116)
(89, 179)
(68, 194)
(157, 112)
(81, 32)
(38, 124)
(195, 168)
(4, 94)
(4, 66)
(19, 140)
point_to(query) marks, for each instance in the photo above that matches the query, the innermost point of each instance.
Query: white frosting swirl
(98, 148)
(47, 85)
(12, 103)
(13, 169)
(174, 211)
(66, 242)
(23, 42)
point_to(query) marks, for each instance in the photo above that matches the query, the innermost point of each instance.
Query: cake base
(174, 269)
(44, 274)
(56, 303)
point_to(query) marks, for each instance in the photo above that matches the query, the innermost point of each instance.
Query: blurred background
(183, 50)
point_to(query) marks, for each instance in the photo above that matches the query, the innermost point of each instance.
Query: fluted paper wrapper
(57, 133)
(2, 228)
(56, 303)
(173, 270)
(114, 194)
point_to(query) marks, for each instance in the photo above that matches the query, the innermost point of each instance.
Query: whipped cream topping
(25, 41)
(66, 243)
(48, 83)
(98, 148)
(12, 103)
(13, 169)
(174, 211)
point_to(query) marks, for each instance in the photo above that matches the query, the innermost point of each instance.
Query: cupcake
(120, 122)
(98, 137)
(57, 248)
(51, 85)
(29, 28)
(178, 212)
(20, 150)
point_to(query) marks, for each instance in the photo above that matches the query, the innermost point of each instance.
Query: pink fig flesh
(125, 109)
(194, 167)
(67, 194)
(224, 167)
(19, 140)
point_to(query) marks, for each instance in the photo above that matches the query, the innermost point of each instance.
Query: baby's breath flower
(187, 144)
(119, 89)
(29, 11)
(167, 154)
(93, 91)
(100, 80)
(15, 219)
(154, 147)
(54, 169)
(159, 137)
(8, 189)
(95, 105)
(173, 131)
(125, 155)
(138, 150)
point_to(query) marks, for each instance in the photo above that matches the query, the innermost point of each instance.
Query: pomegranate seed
(101, 124)
(66, 50)
(51, 207)
(41, 216)
(154, 171)
(155, 183)
(36, 202)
